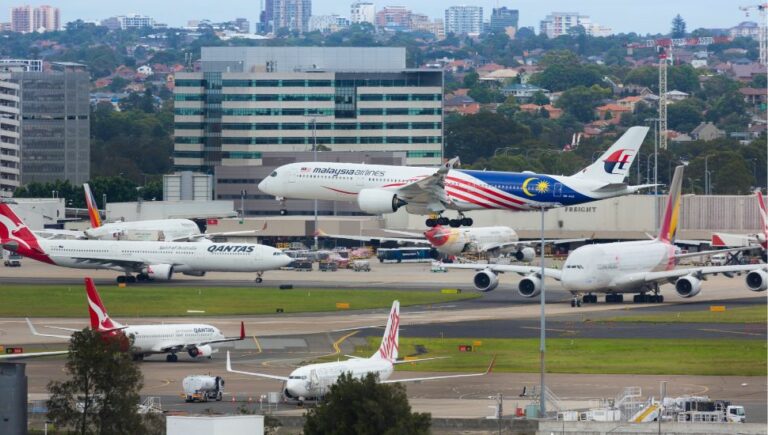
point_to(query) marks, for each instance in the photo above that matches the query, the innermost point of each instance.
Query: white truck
(202, 388)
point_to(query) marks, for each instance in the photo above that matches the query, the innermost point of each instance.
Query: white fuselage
(314, 380)
(161, 229)
(149, 339)
(616, 267)
(184, 257)
(472, 239)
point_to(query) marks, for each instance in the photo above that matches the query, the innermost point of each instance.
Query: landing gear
(258, 279)
(643, 298)
(589, 299)
(142, 277)
(172, 357)
(613, 298)
(138, 357)
(283, 209)
(462, 221)
(575, 302)
(126, 279)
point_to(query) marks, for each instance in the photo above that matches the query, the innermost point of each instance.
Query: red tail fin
(242, 330)
(15, 236)
(100, 320)
(93, 209)
(763, 217)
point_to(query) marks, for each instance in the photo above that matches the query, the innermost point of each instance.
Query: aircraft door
(291, 175)
(558, 192)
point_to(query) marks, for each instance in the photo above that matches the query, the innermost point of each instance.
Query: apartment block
(10, 125)
(464, 20)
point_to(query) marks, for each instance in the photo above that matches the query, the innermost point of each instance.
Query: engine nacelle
(688, 286)
(485, 280)
(526, 254)
(530, 286)
(378, 201)
(162, 272)
(757, 280)
(201, 351)
(194, 273)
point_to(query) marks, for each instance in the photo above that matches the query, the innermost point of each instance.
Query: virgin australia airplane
(380, 189)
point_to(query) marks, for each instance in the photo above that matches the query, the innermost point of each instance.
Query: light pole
(543, 327)
(707, 181)
(243, 193)
(655, 170)
(314, 157)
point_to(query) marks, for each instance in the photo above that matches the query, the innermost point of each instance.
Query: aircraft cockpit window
(273, 174)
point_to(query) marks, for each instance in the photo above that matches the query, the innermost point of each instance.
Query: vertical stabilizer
(613, 166)
(100, 320)
(669, 223)
(16, 236)
(390, 341)
(763, 217)
(93, 209)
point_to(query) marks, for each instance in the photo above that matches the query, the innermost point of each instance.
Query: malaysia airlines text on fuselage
(467, 189)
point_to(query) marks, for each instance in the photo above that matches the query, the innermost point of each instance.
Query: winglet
(229, 363)
(264, 227)
(93, 209)
(242, 330)
(320, 233)
(447, 166)
(668, 228)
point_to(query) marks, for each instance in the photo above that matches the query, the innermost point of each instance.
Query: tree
(475, 136)
(678, 27)
(539, 98)
(684, 115)
(364, 406)
(102, 392)
(581, 101)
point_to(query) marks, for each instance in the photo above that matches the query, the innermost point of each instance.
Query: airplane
(638, 267)
(757, 240)
(194, 338)
(380, 189)
(150, 260)
(449, 242)
(170, 230)
(313, 381)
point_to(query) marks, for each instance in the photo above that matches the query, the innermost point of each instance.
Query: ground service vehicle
(361, 266)
(202, 388)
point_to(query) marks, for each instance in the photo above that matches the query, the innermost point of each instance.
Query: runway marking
(163, 383)
(567, 331)
(731, 332)
(258, 346)
(339, 341)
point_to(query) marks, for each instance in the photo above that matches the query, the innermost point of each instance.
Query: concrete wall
(134, 211)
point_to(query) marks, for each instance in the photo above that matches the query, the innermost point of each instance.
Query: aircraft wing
(429, 190)
(368, 239)
(701, 271)
(34, 332)
(195, 237)
(114, 263)
(226, 339)
(54, 233)
(526, 243)
(263, 375)
(501, 268)
(712, 252)
(429, 378)
(32, 354)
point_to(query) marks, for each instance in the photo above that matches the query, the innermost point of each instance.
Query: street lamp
(243, 193)
(707, 176)
(314, 157)
(543, 327)
(655, 169)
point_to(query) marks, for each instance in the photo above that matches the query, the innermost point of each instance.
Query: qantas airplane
(454, 241)
(638, 267)
(194, 338)
(380, 189)
(149, 260)
(169, 230)
(313, 381)
(757, 240)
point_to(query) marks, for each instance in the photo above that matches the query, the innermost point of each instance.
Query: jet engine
(757, 280)
(161, 272)
(688, 286)
(379, 201)
(486, 280)
(200, 351)
(530, 286)
(526, 254)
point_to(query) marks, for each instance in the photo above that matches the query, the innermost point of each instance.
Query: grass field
(590, 356)
(141, 301)
(756, 314)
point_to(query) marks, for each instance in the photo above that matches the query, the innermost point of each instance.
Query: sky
(641, 16)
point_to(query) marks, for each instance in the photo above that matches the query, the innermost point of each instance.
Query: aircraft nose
(263, 185)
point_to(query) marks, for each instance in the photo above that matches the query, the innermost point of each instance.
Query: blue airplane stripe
(529, 187)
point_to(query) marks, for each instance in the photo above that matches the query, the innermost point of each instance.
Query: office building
(362, 12)
(125, 22)
(251, 101)
(55, 124)
(27, 19)
(560, 23)
(292, 15)
(10, 125)
(464, 20)
(394, 18)
(504, 20)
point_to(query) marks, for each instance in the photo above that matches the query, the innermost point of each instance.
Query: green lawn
(590, 356)
(152, 300)
(756, 314)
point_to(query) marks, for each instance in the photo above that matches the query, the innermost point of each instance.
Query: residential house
(145, 70)
(523, 92)
(745, 73)
(631, 101)
(461, 104)
(707, 131)
(615, 111)
(500, 76)
(676, 95)
(754, 96)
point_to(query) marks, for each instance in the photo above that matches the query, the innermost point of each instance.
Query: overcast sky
(641, 16)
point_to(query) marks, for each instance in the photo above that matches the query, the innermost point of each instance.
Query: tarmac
(282, 342)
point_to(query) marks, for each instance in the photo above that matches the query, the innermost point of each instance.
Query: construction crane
(761, 8)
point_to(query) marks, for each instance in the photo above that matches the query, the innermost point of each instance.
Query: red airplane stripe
(495, 205)
(340, 191)
(504, 195)
(470, 200)
(479, 195)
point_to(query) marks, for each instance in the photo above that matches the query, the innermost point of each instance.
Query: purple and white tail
(389, 343)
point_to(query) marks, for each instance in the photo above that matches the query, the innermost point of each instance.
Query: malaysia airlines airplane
(150, 260)
(757, 240)
(638, 267)
(380, 189)
(194, 338)
(169, 230)
(494, 241)
(313, 381)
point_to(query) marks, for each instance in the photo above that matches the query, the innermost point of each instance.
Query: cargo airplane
(638, 267)
(313, 381)
(380, 189)
(194, 338)
(494, 241)
(149, 260)
(169, 230)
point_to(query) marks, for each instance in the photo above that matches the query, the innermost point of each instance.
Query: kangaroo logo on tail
(389, 343)
(15, 236)
(100, 320)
